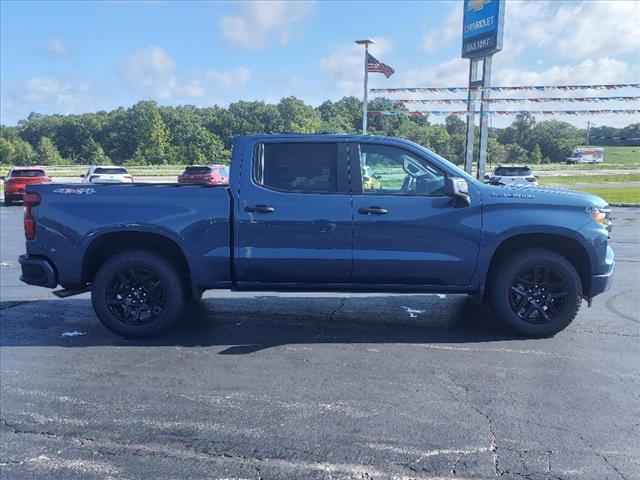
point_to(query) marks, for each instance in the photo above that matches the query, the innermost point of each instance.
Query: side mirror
(487, 177)
(2, 177)
(82, 175)
(457, 188)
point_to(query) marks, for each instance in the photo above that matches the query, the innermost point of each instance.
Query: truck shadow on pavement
(248, 325)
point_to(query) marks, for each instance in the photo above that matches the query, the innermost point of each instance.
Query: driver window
(391, 170)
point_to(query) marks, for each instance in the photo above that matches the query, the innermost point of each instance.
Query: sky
(75, 57)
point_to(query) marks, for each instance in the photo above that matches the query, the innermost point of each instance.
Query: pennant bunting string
(540, 88)
(374, 113)
(511, 100)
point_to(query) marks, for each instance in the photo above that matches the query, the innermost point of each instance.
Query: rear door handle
(259, 208)
(373, 211)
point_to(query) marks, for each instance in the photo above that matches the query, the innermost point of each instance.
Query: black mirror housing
(458, 189)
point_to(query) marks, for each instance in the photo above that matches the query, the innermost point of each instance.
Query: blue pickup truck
(320, 213)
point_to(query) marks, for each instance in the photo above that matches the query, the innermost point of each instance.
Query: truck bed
(70, 217)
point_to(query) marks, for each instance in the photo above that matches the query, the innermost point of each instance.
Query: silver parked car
(513, 175)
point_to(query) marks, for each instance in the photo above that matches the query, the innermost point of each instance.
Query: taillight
(129, 177)
(30, 200)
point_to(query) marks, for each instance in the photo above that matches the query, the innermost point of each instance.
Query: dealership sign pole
(482, 29)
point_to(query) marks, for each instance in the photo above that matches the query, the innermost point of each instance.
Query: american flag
(375, 65)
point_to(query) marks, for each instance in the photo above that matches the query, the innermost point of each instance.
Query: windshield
(512, 172)
(458, 171)
(28, 173)
(110, 171)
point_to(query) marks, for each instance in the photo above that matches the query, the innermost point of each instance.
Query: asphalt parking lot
(319, 386)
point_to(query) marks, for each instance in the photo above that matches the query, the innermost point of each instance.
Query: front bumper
(38, 271)
(601, 283)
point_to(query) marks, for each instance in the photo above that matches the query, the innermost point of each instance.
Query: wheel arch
(568, 247)
(107, 244)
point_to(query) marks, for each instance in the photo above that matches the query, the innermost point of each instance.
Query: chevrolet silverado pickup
(297, 216)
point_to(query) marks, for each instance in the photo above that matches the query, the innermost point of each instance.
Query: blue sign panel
(482, 27)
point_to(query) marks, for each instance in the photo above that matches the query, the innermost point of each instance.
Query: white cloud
(345, 65)
(452, 28)
(574, 30)
(151, 70)
(55, 47)
(453, 72)
(590, 71)
(259, 21)
(45, 95)
(234, 78)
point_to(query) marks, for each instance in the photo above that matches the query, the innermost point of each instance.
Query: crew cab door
(406, 230)
(293, 214)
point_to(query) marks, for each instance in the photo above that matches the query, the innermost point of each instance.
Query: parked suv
(17, 178)
(106, 174)
(204, 175)
(513, 175)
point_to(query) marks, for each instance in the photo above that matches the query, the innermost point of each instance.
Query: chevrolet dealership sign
(482, 27)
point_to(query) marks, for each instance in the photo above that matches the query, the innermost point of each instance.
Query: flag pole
(365, 105)
(366, 90)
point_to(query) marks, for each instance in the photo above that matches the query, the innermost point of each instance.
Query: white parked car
(106, 174)
(513, 175)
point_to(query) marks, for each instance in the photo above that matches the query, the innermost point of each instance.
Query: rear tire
(138, 294)
(536, 292)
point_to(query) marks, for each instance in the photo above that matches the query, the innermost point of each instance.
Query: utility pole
(366, 43)
(588, 131)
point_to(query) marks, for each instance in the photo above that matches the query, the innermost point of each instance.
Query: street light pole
(366, 43)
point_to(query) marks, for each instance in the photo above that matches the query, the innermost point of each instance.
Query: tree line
(149, 134)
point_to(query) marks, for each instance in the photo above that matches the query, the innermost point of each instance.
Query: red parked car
(18, 177)
(205, 175)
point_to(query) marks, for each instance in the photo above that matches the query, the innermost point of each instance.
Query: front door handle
(373, 211)
(259, 208)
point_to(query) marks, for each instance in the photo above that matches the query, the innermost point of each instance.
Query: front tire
(138, 294)
(536, 292)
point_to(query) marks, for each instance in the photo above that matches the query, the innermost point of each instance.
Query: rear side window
(513, 172)
(297, 167)
(28, 173)
(110, 171)
(197, 170)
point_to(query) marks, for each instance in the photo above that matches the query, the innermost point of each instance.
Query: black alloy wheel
(138, 293)
(535, 291)
(135, 296)
(538, 294)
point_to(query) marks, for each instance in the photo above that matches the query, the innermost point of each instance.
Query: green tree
(516, 154)
(92, 153)
(496, 151)
(455, 125)
(7, 150)
(151, 134)
(522, 126)
(195, 145)
(47, 153)
(556, 139)
(23, 153)
(535, 156)
(298, 117)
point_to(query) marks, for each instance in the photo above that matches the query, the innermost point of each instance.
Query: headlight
(600, 216)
